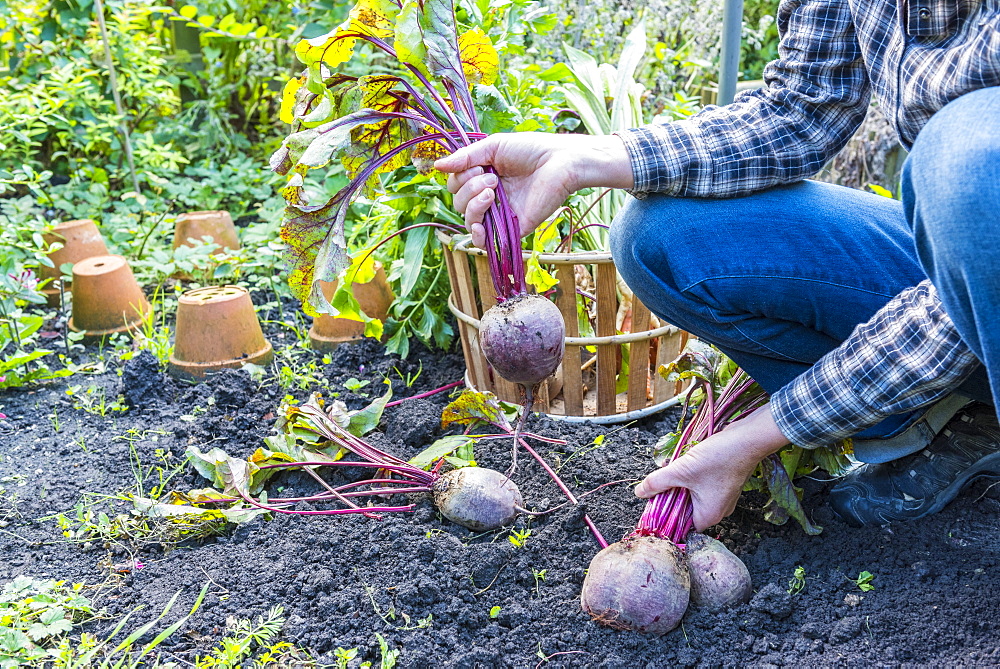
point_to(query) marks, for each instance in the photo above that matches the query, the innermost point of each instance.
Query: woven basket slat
(607, 355)
(571, 375)
(638, 359)
(670, 348)
(461, 274)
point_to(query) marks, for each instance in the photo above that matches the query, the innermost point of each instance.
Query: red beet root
(523, 338)
(477, 498)
(639, 583)
(719, 579)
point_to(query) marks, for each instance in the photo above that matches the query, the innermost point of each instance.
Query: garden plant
(359, 507)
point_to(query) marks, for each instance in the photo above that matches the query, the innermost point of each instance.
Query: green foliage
(243, 637)
(35, 614)
(22, 362)
(518, 538)
(864, 581)
(94, 400)
(797, 582)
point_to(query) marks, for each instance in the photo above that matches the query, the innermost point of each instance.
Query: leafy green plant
(797, 582)
(34, 614)
(22, 362)
(94, 400)
(518, 538)
(864, 581)
(243, 637)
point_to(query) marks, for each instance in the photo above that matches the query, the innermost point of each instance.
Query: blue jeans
(779, 278)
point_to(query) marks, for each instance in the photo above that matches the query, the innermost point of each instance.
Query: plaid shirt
(915, 56)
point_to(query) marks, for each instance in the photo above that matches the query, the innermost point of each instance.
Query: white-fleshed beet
(719, 579)
(639, 584)
(477, 498)
(523, 338)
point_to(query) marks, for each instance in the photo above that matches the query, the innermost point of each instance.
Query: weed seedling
(797, 583)
(539, 575)
(864, 581)
(494, 612)
(354, 385)
(518, 538)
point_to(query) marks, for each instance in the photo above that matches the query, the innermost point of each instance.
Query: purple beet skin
(639, 584)
(523, 338)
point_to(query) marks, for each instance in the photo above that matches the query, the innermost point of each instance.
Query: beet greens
(380, 122)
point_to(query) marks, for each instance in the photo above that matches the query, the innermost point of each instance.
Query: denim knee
(951, 187)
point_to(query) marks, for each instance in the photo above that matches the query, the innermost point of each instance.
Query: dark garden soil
(935, 599)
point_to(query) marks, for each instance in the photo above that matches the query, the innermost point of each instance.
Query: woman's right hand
(538, 170)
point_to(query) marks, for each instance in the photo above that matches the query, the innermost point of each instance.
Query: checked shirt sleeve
(816, 96)
(907, 356)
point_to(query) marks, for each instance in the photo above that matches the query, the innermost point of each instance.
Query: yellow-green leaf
(480, 60)
(374, 18)
(206, 20)
(188, 11)
(409, 43)
(292, 86)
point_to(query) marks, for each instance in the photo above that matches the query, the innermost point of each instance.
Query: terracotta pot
(375, 298)
(80, 239)
(217, 328)
(106, 297)
(215, 224)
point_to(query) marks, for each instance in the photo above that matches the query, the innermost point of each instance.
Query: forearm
(601, 161)
(907, 356)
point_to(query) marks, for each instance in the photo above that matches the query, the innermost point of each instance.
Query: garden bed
(442, 595)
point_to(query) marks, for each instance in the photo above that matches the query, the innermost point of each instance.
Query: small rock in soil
(845, 629)
(773, 600)
(814, 630)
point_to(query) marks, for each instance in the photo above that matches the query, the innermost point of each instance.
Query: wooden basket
(583, 388)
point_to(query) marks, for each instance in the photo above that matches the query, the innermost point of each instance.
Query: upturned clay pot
(198, 224)
(375, 298)
(217, 327)
(80, 240)
(106, 297)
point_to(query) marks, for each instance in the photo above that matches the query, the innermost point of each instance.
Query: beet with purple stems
(638, 583)
(645, 581)
(477, 498)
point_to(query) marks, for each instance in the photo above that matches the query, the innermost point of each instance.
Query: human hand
(715, 470)
(538, 171)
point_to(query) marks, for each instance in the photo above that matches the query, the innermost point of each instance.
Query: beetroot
(477, 498)
(645, 582)
(719, 579)
(639, 583)
(523, 338)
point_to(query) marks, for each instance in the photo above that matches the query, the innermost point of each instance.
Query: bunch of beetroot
(422, 110)
(646, 581)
